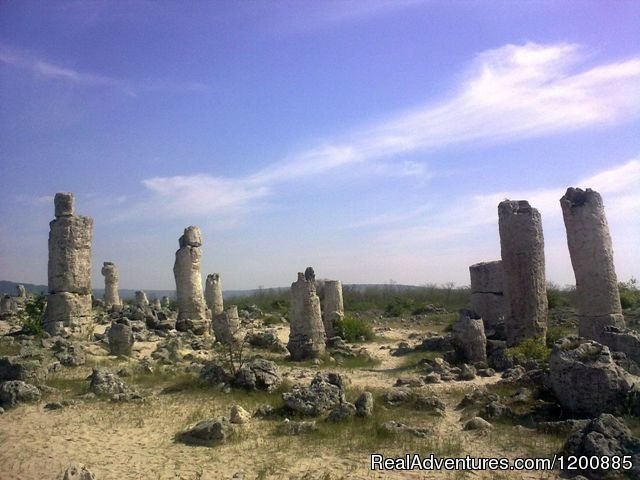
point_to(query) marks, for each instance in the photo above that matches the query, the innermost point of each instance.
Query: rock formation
(121, 338)
(68, 309)
(156, 305)
(111, 277)
(333, 311)
(213, 294)
(226, 326)
(487, 296)
(598, 299)
(469, 339)
(7, 305)
(522, 247)
(166, 302)
(141, 299)
(307, 337)
(22, 293)
(586, 380)
(192, 311)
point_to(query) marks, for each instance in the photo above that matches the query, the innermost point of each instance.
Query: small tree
(33, 313)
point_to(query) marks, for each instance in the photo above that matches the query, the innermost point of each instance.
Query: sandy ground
(119, 441)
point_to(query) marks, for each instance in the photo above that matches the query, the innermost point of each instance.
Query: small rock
(477, 423)
(239, 415)
(77, 471)
(288, 427)
(364, 404)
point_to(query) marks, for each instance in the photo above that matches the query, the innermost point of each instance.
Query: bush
(33, 312)
(351, 329)
(556, 297)
(629, 293)
(530, 349)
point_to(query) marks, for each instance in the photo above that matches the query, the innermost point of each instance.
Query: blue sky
(370, 139)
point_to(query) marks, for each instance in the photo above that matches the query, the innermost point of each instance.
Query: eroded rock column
(522, 247)
(68, 309)
(111, 277)
(487, 296)
(141, 299)
(227, 327)
(469, 339)
(307, 337)
(186, 270)
(333, 311)
(213, 294)
(592, 259)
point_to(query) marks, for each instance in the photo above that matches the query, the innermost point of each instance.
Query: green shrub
(530, 349)
(556, 297)
(33, 312)
(351, 329)
(629, 293)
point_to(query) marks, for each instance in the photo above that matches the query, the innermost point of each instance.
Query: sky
(372, 140)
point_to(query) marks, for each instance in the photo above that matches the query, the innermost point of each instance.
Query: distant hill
(8, 287)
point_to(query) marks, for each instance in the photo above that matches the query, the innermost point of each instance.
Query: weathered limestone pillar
(22, 293)
(333, 311)
(213, 294)
(307, 337)
(7, 305)
(469, 339)
(227, 327)
(68, 309)
(111, 277)
(156, 305)
(487, 296)
(192, 311)
(522, 246)
(166, 302)
(592, 259)
(141, 299)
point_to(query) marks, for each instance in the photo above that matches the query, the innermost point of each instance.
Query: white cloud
(510, 93)
(48, 70)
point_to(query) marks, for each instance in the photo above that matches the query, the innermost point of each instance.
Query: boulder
(258, 374)
(586, 380)
(13, 392)
(605, 436)
(325, 392)
(208, 432)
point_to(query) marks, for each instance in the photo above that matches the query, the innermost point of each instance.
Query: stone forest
(313, 382)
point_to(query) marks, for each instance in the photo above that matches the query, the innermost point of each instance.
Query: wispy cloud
(48, 70)
(507, 94)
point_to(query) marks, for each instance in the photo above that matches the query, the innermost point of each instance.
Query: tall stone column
(307, 337)
(141, 299)
(22, 292)
(487, 296)
(111, 277)
(333, 311)
(68, 309)
(213, 294)
(522, 247)
(186, 270)
(592, 259)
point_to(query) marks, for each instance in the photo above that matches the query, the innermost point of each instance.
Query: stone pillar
(522, 246)
(68, 309)
(141, 299)
(487, 296)
(6, 305)
(307, 337)
(166, 302)
(213, 294)
(592, 259)
(192, 311)
(156, 305)
(333, 306)
(227, 326)
(111, 277)
(469, 339)
(22, 293)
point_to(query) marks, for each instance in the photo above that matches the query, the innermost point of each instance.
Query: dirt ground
(122, 441)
